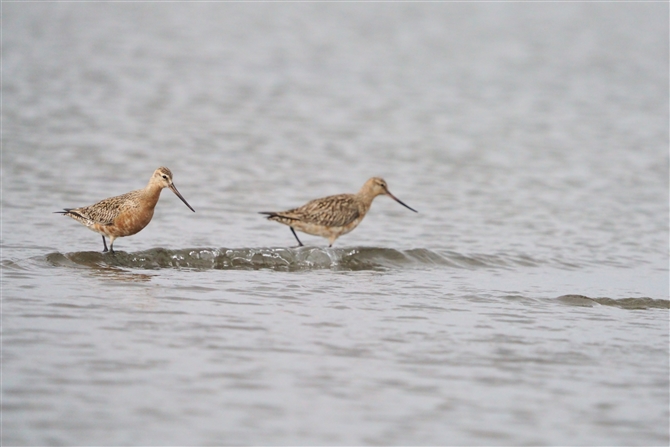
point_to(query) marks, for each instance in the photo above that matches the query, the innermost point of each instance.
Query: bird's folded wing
(107, 210)
(332, 211)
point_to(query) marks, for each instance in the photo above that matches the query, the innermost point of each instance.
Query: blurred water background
(526, 302)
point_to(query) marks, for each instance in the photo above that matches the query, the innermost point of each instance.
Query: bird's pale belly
(323, 230)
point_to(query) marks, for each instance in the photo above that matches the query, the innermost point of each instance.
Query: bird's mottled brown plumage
(107, 210)
(333, 216)
(126, 214)
(331, 211)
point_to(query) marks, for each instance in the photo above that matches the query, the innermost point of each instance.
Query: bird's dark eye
(165, 177)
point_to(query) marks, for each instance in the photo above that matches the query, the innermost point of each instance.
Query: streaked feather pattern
(331, 211)
(105, 211)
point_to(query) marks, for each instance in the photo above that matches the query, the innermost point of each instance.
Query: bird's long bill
(174, 190)
(400, 201)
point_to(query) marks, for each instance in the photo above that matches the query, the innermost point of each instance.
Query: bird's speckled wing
(331, 211)
(105, 211)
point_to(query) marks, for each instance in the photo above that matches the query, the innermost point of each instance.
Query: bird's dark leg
(105, 244)
(296, 237)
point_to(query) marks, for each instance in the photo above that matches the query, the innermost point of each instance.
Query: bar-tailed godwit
(126, 214)
(333, 216)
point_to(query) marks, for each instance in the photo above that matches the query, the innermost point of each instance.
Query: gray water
(526, 303)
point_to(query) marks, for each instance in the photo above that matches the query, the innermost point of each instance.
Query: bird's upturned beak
(174, 190)
(400, 201)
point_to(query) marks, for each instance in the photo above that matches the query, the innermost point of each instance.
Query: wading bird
(333, 216)
(126, 214)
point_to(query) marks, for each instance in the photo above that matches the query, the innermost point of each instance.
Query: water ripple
(624, 303)
(285, 259)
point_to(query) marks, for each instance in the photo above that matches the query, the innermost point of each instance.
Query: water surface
(526, 302)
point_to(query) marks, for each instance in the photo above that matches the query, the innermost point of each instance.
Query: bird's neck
(152, 193)
(366, 197)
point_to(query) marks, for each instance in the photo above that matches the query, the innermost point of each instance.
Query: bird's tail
(70, 212)
(275, 215)
(272, 215)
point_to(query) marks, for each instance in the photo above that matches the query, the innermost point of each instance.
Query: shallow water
(526, 303)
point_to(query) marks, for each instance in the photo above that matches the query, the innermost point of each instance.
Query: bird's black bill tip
(189, 206)
(174, 190)
(401, 202)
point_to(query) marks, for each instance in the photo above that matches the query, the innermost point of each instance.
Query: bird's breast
(130, 222)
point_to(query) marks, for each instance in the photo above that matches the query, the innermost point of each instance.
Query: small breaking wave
(623, 303)
(285, 259)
